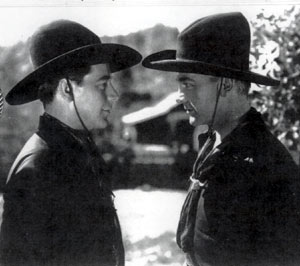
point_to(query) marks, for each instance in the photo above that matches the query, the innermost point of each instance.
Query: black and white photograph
(149, 133)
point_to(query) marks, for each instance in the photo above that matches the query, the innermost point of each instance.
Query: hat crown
(58, 38)
(222, 40)
(217, 45)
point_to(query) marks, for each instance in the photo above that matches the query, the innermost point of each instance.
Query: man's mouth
(189, 109)
(105, 112)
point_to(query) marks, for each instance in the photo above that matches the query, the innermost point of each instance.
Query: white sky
(20, 18)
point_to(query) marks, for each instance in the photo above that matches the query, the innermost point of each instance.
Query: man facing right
(58, 205)
(241, 207)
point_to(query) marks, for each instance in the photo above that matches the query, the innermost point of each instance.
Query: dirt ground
(149, 219)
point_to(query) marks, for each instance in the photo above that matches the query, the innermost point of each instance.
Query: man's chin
(99, 125)
(104, 123)
(193, 121)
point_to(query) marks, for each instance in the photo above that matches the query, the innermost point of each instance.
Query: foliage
(279, 37)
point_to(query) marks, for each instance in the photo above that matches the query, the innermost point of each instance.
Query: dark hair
(48, 89)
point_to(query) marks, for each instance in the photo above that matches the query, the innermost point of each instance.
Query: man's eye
(102, 86)
(186, 85)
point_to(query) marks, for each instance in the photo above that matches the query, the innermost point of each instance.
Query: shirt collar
(242, 135)
(60, 135)
(239, 136)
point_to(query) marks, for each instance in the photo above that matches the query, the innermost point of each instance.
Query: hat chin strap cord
(76, 110)
(210, 126)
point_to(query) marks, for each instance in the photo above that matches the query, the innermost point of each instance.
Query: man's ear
(227, 86)
(65, 90)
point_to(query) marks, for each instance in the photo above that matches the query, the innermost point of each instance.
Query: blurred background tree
(276, 52)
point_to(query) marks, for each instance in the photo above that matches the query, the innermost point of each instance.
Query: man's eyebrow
(105, 77)
(183, 79)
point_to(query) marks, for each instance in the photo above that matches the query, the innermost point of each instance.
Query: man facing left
(58, 207)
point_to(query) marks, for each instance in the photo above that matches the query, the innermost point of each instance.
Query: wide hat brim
(117, 56)
(166, 61)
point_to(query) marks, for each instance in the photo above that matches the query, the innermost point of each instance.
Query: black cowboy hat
(64, 44)
(217, 45)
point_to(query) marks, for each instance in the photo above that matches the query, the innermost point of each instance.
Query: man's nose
(181, 97)
(112, 93)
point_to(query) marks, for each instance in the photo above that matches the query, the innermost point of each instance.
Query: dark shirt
(245, 210)
(58, 207)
